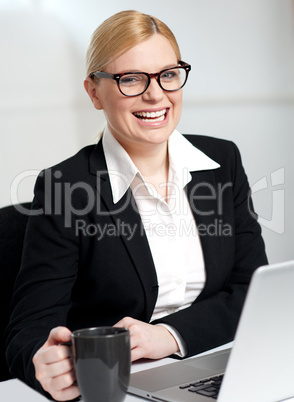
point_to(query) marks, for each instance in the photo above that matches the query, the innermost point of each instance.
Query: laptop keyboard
(209, 387)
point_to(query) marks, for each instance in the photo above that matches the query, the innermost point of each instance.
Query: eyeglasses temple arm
(101, 74)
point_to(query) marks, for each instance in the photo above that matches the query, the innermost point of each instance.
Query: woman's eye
(169, 75)
(129, 80)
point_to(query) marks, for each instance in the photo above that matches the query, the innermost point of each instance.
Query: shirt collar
(120, 167)
(183, 157)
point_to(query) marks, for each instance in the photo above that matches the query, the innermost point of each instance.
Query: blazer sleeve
(213, 317)
(42, 295)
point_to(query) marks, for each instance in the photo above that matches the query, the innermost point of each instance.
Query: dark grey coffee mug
(102, 361)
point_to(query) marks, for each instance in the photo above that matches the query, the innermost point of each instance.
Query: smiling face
(146, 120)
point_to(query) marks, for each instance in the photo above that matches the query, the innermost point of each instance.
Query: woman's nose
(153, 93)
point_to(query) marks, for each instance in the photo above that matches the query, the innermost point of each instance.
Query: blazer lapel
(124, 214)
(203, 197)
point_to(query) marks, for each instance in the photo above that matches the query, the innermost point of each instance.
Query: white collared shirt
(170, 226)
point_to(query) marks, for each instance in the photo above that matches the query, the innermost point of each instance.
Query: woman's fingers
(54, 366)
(57, 336)
(148, 341)
(59, 367)
(53, 354)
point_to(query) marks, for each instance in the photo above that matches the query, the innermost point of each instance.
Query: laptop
(260, 365)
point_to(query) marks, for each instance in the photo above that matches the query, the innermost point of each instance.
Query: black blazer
(69, 277)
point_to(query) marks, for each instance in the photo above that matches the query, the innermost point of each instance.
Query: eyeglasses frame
(117, 77)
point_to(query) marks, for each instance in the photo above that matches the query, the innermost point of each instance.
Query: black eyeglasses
(136, 83)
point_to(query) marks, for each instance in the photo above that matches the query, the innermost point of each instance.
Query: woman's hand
(148, 341)
(54, 367)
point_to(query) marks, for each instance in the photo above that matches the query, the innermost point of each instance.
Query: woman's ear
(92, 91)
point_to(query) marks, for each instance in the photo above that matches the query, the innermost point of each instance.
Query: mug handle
(66, 343)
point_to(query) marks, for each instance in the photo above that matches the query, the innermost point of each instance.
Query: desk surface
(16, 391)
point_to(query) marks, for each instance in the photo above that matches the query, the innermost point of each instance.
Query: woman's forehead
(150, 55)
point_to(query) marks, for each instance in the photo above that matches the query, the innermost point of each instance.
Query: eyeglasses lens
(136, 84)
(172, 80)
(133, 84)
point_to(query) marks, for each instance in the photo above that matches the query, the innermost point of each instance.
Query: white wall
(241, 88)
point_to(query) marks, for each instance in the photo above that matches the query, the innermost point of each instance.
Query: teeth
(152, 115)
(161, 118)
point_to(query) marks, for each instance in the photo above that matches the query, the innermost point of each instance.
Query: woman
(113, 239)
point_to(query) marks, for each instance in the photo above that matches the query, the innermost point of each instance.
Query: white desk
(16, 391)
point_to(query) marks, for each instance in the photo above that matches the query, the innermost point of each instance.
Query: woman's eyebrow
(135, 70)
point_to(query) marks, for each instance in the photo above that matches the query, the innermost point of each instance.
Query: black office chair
(12, 229)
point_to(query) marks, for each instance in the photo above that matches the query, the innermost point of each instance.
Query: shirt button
(179, 281)
(171, 311)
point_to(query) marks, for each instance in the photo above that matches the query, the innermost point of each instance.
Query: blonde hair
(121, 32)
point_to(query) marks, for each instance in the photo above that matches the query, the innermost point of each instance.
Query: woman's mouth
(151, 117)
